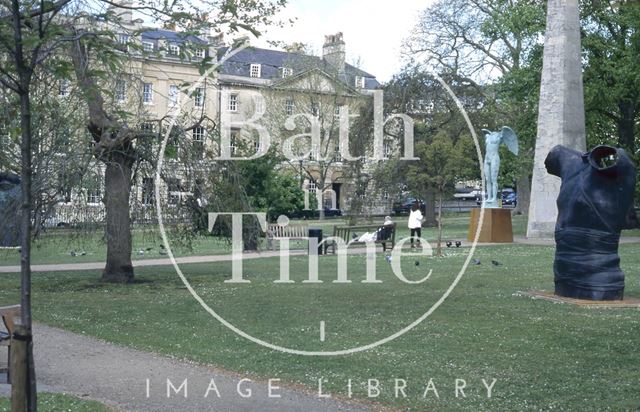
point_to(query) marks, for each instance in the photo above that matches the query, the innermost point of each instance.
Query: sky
(373, 30)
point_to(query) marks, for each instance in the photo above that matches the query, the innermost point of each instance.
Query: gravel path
(87, 367)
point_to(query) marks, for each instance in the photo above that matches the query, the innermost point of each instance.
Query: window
(123, 41)
(385, 195)
(360, 82)
(257, 146)
(311, 187)
(147, 191)
(315, 109)
(233, 147)
(285, 72)
(148, 46)
(174, 95)
(173, 186)
(147, 93)
(94, 194)
(121, 90)
(63, 88)
(198, 97)
(255, 70)
(288, 107)
(260, 108)
(174, 49)
(336, 111)
(200, 53)
(337, 157)
(233, 103)
(198, 135)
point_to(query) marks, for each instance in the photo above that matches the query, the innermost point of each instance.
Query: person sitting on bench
(383, 233)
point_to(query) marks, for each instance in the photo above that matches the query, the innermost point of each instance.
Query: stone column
(561, 110)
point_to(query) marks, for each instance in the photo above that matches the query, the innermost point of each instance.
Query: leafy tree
(495, 46)
(611, 40)
(438, 169)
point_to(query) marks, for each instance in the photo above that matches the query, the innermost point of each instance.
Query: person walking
(415, 223)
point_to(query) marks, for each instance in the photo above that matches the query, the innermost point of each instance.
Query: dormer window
(200, 53)
(285, 72)
(255, 70)
(174, 49)
(360, 82)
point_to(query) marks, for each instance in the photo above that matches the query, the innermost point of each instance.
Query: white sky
(373, 30)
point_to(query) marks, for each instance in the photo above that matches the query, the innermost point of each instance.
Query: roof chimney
(333, 51)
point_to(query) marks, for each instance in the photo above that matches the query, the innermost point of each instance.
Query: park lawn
(57, 246)
(57, 402)
(543, 355)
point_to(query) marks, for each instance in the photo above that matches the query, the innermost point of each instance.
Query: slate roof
(170, 36)
(272, 60)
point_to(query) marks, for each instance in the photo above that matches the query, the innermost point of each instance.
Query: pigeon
(149, 249)
(476, 261)
(388, 258)
(496, 263)
(458, 243)
(417, 263)
(448, 243)
(354, 236)
(141, 252)
(73, 253)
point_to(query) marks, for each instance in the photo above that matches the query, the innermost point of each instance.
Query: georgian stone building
(254, 85)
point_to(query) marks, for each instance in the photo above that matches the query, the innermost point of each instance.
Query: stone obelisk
(561, 110)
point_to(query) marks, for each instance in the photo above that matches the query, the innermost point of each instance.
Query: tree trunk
(25, 229)
(626, 127)
(523, 193)
(439, 242)
(117, 181)
(430, 209)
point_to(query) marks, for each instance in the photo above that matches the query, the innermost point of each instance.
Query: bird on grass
(458, 243)
(448, 243)
(496, 263)
(417, 263)
(476, 261)
(388, 258)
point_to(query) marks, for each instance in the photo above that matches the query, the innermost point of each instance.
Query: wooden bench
(276, 231)
(8, 314)
(350, 235)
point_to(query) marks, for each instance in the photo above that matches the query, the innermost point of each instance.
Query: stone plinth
(496, 226)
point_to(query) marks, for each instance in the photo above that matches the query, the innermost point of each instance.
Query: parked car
(404, 207)
(314, 214)
(466, 194)
(509, 197)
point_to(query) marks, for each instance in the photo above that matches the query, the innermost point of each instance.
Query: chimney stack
(333, 51)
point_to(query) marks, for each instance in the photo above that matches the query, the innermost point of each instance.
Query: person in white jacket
(415, 223)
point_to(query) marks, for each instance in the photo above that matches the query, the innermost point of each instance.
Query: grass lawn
(57, 245)
(543, 355)
(57, 402)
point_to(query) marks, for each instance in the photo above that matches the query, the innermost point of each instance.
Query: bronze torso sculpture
(593, 205)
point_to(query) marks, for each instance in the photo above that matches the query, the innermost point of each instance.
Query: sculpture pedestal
(496, 226)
